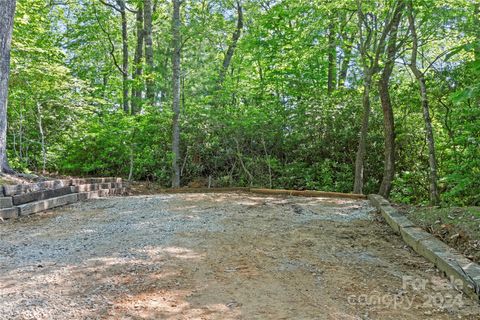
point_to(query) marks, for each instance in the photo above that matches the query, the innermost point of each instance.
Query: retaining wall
(26, 199)
(446, 259)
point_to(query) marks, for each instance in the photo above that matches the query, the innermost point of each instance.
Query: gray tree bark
(370, 64)
(125, 85)
(332, 59)
(362, 140)
(342, 75)
(7, 13)
(388, 119)
(233, 44)
(176, 22)
(149, 50)
(137, 61)
(420, 76)
(42, 138)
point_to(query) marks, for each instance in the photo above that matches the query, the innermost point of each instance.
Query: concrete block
(412, 236)
(40, 195)
(453, 264)
(119, 191)
(429, 248)
(87, 187)
(11, 190)
(34, 207)
(6, 202)
(446, 259)
(9, 213)
(95, 180)
(93, 187)
(82, 196)
(378, 201)
(54, 184)
(91, 195)
(395, 219)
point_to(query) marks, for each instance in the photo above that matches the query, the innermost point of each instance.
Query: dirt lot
(217, 256)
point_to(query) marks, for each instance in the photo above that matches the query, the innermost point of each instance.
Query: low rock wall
(26, 199)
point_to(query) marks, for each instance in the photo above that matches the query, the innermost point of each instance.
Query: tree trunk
(342, 75)
(42, 138)
(388, 119)
(434, 195)
(7, 12)
(332, 59)
(231, 48)
(362, 140)
(476, 20)
(389, 133)
(176, 93)
(149, 51)
(370, 63)
(137, 61)
(123, 14)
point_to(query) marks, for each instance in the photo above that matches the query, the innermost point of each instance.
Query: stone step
(6, 202)
(94, 194)
(93, 187)
(9, 213)
(41, 195)
(81, 181)
(12, 190)
(100, 193)
(34, 207)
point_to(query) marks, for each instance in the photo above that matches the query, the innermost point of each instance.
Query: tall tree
(233, 44)
(121, 8)
(125, 82)
(420, 77)
(137, 61)
(388, 118)
(7, 12)
(371, 49)
(332, 57)
(149, 51)
(177, 48)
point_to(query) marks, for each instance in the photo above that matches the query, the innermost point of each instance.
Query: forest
(360, 96)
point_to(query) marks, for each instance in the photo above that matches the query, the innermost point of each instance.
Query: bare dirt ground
(217, 256)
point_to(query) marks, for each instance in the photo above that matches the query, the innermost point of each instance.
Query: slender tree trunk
(42, 138)
(388, 119)
(149, 51)
(347, 52)
(125, 84)
(389, 133)
(434, 194)
(362, 140)
(137, 83)
(476, 19)
(233, 44)
(370, 67)
(7, 12)
(176, 92)
(332, 59)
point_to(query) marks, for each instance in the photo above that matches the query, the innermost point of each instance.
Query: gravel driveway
(217, 256)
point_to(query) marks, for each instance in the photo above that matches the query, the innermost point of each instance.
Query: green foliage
(271, 122)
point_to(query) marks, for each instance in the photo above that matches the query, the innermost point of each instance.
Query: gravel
(206, 256)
